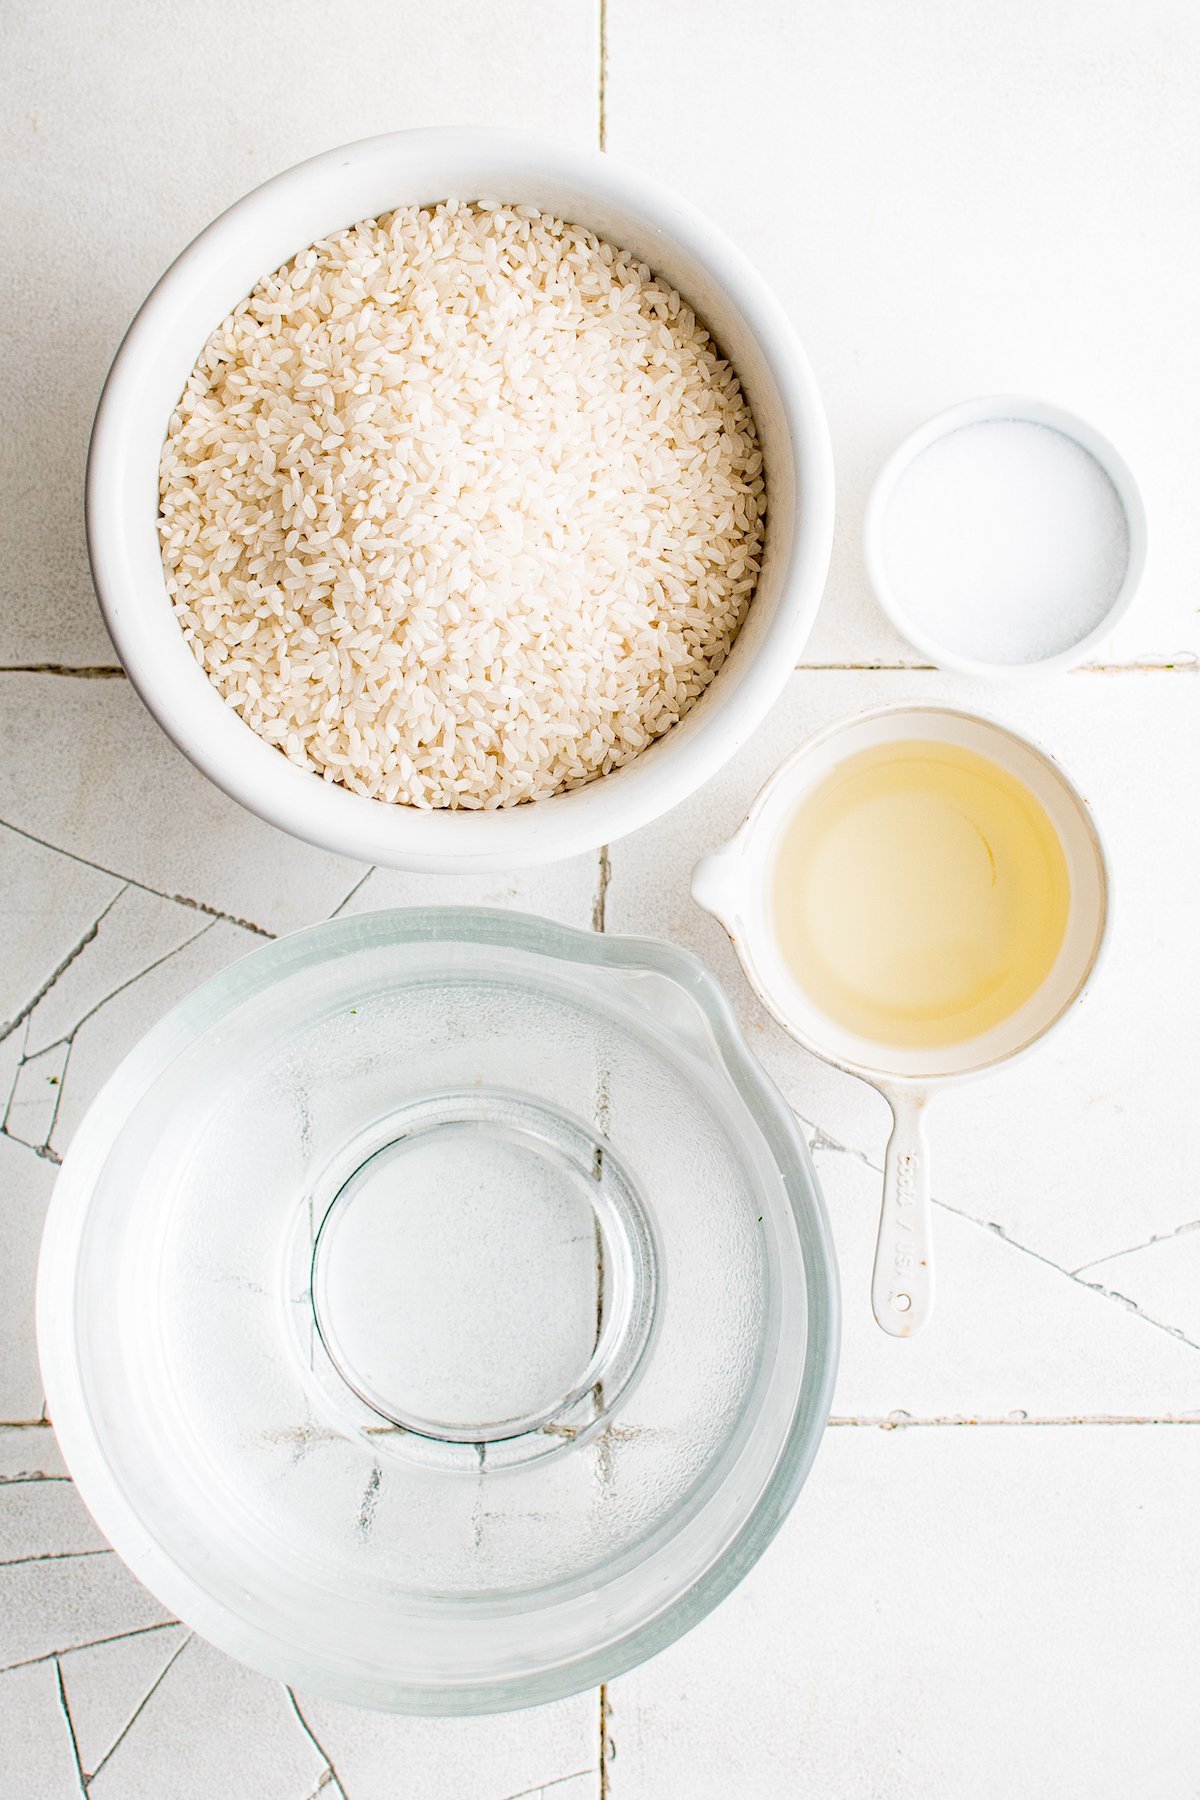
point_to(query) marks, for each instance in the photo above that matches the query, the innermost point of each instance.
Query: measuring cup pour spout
(714, 882)
(902, 1284)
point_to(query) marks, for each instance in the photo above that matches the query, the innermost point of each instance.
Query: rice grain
(461, 507)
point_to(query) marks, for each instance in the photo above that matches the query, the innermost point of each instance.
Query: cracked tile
(30, 1452)
(1161, 1279)
(112, 1031)
(138, 930)
(38, 1762)
(973, 160)
(584, 1786)
(457, 1759)
(47, 1608)
(48, 904)
(119, 794)
(44, 1519)
(210, 1727)
(35, 1096)
(11, 1050)
(952, 1610)
(1076, 1151)
(106, 1684)
(1010, 1334)
(25, 1184)
(565, 891)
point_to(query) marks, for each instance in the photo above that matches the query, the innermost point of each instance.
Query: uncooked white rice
(461, 507)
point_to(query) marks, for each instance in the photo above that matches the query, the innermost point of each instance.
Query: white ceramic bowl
(262, 231)
(996, 409)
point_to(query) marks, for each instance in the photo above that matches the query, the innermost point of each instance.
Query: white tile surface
(1075, 1152)
(49, 1607)
(573, 1787)
(45, 1518)
(25, 1183)
(11, 1050)
(951, 200)
(118, 793)
(461, 1759)
(1162, 1279)
(49, 904)
(106, 1684)
(38, 1762)
(1011, 1335)
(30, 1453)
(137, 931)
(211, 1727)
(565, 891)
(1006, 1615)
(128, 129)
(106, 1035)
(35, 1097)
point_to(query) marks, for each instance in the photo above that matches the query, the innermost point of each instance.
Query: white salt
(1005, 541)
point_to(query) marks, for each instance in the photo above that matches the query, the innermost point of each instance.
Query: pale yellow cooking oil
(920, 894)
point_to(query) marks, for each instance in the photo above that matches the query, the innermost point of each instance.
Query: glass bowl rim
(100, 1484)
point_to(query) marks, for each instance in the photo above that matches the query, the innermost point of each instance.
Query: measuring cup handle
(902, 1285)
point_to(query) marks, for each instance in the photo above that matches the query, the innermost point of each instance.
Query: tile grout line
(316, 1743)
(821, 1140)
(1185, 662)
(20, 1562)
(1161, 1237)
(58, 1091)
(116, 1637)
(77, 671)
(899, 1421)
(603, 1794)
(347, 898)
(603, 877)
(68, 1037)
(16, 1078)
(201, 906)
(42, 1150)
(541, 1788)
(7, 1096)
(134, 1716)
(10, 1025)
(70, 1723)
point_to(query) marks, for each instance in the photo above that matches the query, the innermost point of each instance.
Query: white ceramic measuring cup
(735, 885)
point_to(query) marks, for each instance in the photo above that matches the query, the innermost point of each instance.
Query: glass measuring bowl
(437, 1309)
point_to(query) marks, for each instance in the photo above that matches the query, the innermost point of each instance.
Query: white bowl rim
(565, 824)
(994, 409)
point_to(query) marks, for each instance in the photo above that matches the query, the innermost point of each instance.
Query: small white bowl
(261, 232)
(996, 409)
